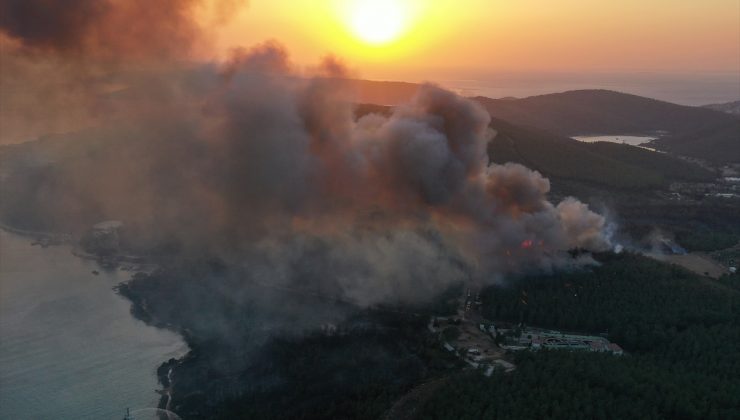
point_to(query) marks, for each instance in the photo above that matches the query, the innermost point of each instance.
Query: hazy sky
(443, 37)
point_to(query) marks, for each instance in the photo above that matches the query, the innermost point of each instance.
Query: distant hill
(596, 112)
(603, 164)
(732, 108)
(698, 132)
(607, 164)
(691, 131)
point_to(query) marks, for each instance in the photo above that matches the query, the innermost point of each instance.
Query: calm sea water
(685, 89)
(69, 348)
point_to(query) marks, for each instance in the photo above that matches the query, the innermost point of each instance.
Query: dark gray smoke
(265, 166)
(63, 60)
(110, 29)
(51, 24)
(273, 170)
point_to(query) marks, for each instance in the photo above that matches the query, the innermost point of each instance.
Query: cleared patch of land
(695, 262)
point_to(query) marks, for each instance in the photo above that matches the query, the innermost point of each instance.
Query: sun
(377, 21)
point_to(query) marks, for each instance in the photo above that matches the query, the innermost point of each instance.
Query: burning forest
(271, 168)
(304, 240)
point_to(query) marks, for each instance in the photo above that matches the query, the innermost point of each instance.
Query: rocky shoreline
(140, 311)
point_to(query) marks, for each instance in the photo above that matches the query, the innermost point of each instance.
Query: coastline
(55, 238)
(138, 309)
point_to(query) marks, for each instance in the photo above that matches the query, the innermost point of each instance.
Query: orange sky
(444, 36)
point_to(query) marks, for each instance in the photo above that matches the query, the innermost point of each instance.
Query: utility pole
(129, 416)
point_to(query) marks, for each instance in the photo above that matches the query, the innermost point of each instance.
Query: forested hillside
(691, 131)
(639, 302)
(720, 143)
(681, 332)
(561, 385)
(607, 164)
(584, 112)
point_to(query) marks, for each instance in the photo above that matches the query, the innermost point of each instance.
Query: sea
(69, 347)
(693, 89)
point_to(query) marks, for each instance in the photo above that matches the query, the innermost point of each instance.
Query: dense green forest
(706, 240)
(608, 165)
(640, 302)
(563, 385)
(356, 376)
(682, 333)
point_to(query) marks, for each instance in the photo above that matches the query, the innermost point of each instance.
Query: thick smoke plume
(274, 170)
(387, 206)
(266, 166)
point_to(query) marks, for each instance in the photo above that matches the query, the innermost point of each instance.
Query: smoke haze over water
(271, 168)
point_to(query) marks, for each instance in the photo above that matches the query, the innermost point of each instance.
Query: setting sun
(377, 21)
